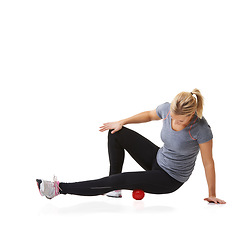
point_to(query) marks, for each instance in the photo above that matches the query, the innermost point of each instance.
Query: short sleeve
(205, 132)
(163, 109)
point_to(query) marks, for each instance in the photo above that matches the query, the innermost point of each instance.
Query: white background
(66, 67)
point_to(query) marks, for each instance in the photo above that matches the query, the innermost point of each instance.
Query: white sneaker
(47, 188)
(115, 194)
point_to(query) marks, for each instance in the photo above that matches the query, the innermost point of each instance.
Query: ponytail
(200, 102)
(186, 104)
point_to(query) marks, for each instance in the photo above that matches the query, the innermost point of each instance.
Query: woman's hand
(116, 126)
(214, 200)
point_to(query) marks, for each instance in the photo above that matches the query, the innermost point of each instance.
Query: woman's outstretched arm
(208, 162)
(139, 118)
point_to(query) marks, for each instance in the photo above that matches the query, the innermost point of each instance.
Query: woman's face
(181, 120)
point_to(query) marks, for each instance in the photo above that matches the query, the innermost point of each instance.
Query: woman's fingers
(102, 129)
(214, 200)
(106, 126)
(115, 126)
(221, 201)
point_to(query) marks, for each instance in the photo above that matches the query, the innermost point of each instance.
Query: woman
(184, 132)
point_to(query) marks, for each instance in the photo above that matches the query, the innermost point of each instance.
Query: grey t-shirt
(178, 155)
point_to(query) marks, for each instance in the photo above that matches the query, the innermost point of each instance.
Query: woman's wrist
(122, 122)
(212, 194)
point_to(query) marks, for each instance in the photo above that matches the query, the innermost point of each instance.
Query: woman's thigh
(155, 181)
(142, 150)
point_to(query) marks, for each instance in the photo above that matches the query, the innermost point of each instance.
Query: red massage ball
(138, 194)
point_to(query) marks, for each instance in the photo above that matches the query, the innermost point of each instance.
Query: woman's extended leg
(141, 149)
(154, 181)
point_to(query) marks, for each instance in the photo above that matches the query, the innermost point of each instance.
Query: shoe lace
(56, 185)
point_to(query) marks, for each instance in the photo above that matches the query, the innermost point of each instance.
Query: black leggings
(153, 180)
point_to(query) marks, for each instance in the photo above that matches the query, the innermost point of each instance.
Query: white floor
(67, 67)
(172, 216)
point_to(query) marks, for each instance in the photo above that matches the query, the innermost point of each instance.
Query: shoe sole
(114, 196)
(39, 181)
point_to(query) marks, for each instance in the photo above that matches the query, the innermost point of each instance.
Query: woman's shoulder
(163, 109)
(202, 122)
(165, 105)
(204, 131)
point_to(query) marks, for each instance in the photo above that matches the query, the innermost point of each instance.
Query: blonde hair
(186, 104)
